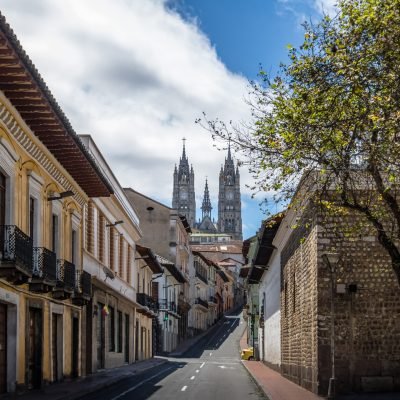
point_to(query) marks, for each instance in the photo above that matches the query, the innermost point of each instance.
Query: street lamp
(331, 260)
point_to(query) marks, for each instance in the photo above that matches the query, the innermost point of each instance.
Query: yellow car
(247, 354)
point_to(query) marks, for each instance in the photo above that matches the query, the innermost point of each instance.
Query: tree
(333, 112)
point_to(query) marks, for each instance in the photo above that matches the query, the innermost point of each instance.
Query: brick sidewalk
(273, 384)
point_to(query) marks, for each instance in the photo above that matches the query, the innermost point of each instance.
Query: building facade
(46, 179)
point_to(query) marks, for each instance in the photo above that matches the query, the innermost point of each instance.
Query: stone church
(229, 202)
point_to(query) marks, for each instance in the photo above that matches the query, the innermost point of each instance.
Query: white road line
(202, 365)
(210, 354)
(184, 388)
(192, 377)
(197, 371)
(139, 384)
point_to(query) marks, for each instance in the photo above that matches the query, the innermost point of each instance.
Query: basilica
(229, 204)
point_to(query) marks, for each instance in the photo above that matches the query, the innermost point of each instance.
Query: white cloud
(326, 6)
(135, 76)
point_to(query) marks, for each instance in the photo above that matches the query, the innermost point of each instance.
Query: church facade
(229, 201)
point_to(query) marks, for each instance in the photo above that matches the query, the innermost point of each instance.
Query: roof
(172, 269)
(233, 247)
(265, 248)
(185, 223)
(151, 259)
(26, 90)
(208, 261)
(223, 275)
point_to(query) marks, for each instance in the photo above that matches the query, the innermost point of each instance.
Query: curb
(260, 387)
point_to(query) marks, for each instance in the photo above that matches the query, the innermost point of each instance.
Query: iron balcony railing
(83, 284)
(145, 300)
(202, 302)
(16, 247)
(167, 305)
(66, 275)
(213, 299)
(44, 264)
(201, 276)
(172, 306)
(163, 304)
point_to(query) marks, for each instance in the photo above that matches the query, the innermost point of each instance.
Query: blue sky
(136, 74)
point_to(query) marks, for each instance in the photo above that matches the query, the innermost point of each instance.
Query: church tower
(206, 224)
(183, 196)
(229, 203)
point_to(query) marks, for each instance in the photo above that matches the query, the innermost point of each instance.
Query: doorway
(126, 338)
(137, 341)
(100, 335)
(75, 347)
(57, 346)
(3, 348)
(35, 348)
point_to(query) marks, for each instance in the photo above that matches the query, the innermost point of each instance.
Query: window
(74, 244)
(101, 228)
(2, 199)
(112, 249)
(89, 228)
(286, 299)
(111, 320)
(128, 265)
(54, 234)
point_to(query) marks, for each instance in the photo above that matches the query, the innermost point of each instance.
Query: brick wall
(367, 322)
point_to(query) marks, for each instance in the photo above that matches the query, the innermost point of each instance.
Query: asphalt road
(210, 370)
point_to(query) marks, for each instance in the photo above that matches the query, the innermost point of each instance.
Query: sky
(136, 74)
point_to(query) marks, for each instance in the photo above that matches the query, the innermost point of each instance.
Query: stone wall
(367, 319)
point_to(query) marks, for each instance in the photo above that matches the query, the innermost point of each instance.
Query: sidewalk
(273, 384)
(276, 387)
(77, 389)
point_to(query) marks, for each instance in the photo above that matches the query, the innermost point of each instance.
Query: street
(211, 369)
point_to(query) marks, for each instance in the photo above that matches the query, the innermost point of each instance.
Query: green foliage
(331, 117)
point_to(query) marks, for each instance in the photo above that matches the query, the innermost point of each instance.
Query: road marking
(210, 354)
(192, 377)
(202, 365)
(140, 384)
(197, 371)
(184, 388)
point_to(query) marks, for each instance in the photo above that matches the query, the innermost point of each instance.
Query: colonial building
(167, 233)
(46, 178)
(229, 201)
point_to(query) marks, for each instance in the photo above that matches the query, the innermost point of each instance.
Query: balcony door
(2, 209)
(35, 348)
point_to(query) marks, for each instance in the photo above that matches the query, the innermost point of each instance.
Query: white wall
(270, 348)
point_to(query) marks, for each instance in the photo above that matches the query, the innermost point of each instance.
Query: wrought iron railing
(84, 283)
(66, 275)
(172, 306)
(16, 247)
(163, 304)
(44, 264)
(145, 300)
(202, 302)
(213, 299)
(201, 276)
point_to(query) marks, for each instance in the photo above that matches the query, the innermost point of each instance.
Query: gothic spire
(206, 206)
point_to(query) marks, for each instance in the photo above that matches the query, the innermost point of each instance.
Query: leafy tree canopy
(333, 112)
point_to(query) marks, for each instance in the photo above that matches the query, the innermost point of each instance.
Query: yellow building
(46, 178)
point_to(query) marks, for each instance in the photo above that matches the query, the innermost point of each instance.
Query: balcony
(44, 274)
(65, 285)
(147, 301)
(16, 254)
(83, 288)
(201, 302)
(165, 305)
(201, 276)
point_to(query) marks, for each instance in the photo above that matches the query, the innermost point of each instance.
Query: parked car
(247, 354)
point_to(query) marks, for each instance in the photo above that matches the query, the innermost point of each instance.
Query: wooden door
(54, 352)
(35, 349)
(3, 348)
(100, 334)
(2, 208)
(75, 347)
